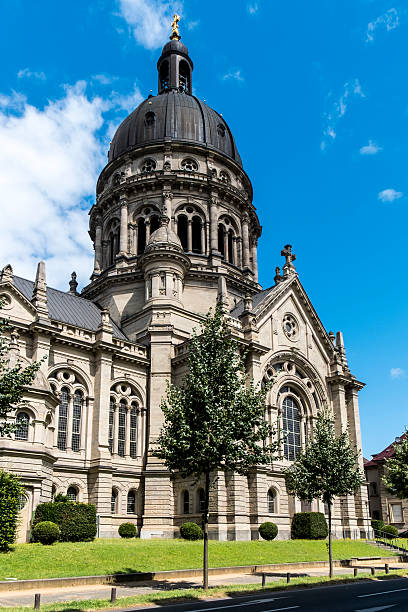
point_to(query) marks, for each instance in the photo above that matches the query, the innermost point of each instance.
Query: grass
(199, 594)
(109, 556)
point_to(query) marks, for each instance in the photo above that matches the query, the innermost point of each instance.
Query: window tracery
(190, 165)
(125, 421)
(225, 177)
(146, 221)
(72, 392)
(291, 423)
(148, 165)
(191, 228)
(22, 422)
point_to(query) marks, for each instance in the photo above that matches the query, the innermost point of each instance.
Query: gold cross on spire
(175, 35)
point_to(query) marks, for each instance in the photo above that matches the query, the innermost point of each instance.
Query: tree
(13, 379)
(215, 419)
(327, 468)
(10, 492)
(396, 478)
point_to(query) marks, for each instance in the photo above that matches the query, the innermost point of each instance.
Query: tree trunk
(330, 540)
(205, 529)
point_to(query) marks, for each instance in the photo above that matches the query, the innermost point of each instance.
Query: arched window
(63, 419)
(111, 423)
(150, 119)
(186, 502)
(182, 230)
(291, 428)
(221, 232)
(122, 428)
(196, 235)
(224, 177)
(190, 165)
(221, 130)
(141, 236)
(114, 501)
(148, 165)
(72, 494)
(184, 76)
(22, 422)
(131, 502)
(164, 74)
(133, 431)
(113, 245)
(271, 501)
(76, 421)
(154, 224)
(201, 500)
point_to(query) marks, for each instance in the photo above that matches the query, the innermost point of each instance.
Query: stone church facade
(174, 229)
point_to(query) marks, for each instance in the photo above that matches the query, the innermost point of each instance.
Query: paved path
(75, 593)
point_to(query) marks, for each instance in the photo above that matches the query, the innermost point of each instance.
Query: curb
(49, 583)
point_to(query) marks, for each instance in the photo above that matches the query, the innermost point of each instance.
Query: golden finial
(175, 35)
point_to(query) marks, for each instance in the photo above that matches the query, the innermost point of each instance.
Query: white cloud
(351, 89)
(150, 19)
(388, 21)
(397, 373)
(104, 79)
(253, 8)
(26, 73)
(389, 195)
(50, 159)
(371, 149)
(127, 102)
(191, 25)
(234, 75)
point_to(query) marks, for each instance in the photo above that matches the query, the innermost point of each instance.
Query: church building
(174, 228)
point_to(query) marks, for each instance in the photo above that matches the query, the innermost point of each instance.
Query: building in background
(383, 505)
(174, 228)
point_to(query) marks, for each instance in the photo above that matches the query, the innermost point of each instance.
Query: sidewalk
(76, 593)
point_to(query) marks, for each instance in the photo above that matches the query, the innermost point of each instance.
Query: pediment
(16, 307)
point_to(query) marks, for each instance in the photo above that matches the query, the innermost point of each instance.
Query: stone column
(98, 245)
(123, 244)
(226, 254)
(167, 198)
(239, 250)
(69, 423)
(213, 224)
(361, 496)
(189, 235)
(203, 247)
(245, 242)
(155, 285)
(207, 236)
(255, 260)
(147, 224)
(234, 251)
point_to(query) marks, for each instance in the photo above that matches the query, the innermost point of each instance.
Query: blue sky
(317, 97)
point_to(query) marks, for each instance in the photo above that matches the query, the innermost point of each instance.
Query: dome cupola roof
(174, 114)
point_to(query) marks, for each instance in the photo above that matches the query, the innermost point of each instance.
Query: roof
(387, 453)
(257, 299)
(177, 117)
(68, 308)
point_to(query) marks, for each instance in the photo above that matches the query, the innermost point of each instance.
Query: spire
(39, 298)
(175, 35)
(288, 267)
(341, 348)
(73, 284)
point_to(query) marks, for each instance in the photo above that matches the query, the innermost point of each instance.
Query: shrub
(389, 531)
(127, 530)
(191, 531)
(377, 525)
(268, 530)
(10, 491)
(77, 522)
(46, 532)
(61, 498)
(309, 526)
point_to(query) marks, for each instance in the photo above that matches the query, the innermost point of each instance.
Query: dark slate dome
(175, 114)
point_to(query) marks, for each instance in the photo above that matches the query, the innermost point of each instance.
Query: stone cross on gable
(290, 257)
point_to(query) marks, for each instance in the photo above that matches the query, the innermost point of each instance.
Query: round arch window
(190, 165)
(72, 494)
(290, 326)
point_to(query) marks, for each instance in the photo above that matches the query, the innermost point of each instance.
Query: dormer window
(148, 165)
(190, 165)
(150, 118)
(221, 130)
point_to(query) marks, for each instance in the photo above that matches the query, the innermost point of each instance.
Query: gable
(17, 307)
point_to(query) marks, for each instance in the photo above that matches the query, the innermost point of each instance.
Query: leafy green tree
(396, 478)
(327, 468)
(215, 420)
(10, 491)
(13, 379)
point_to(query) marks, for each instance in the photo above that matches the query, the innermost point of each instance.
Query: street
(360, 597)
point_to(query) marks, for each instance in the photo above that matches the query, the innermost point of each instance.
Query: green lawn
(108, 556)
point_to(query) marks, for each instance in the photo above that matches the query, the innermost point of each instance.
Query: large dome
(174, 116)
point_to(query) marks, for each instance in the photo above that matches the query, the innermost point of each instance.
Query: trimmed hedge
(10, 491)
(127, 530)
(309, 526)
(46, 532)
(389, 531)
(268, 530)
(77, 522)
(191, 531)
(377, 525)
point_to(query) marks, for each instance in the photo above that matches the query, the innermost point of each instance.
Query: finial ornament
(290, 257)
(175, 35)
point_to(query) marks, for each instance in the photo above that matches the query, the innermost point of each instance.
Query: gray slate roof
(68, 308)
(256, 300)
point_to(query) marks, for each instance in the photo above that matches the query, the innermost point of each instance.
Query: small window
(131, 502)
(291, 428)
(72, 494)
(22, 422)
(271, 501)
(122, 428)
(201, 500)
(114, 499)
(224, 177)
(190, 165)
(186, 502)
(22, 501)
(63, 419)
(111, 423)
(148, 165)
(150, 119)
(221, 130)
(396, 513)
(373, 488)
(133, 431)
(76, 421)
